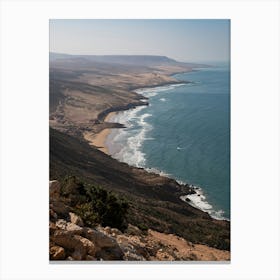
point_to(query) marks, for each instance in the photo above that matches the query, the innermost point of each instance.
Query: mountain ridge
(140, 59)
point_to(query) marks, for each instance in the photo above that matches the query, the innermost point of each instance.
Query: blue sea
(184, 133)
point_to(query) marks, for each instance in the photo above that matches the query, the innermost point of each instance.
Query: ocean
(184, 133)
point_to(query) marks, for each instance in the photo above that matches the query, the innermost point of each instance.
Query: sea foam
(198, 200)
(150, 92)
(131, 139)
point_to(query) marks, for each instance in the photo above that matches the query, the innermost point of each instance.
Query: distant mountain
(119, 59)
(140, 60)
(132, 59)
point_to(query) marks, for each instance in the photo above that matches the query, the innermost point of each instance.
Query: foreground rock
(102, 244)
(71, 240)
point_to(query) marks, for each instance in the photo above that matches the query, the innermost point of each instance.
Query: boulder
(107, 247)
(75, 219)
(61, 224)
(78, 244)
(110, 254)
(79, 254)
(57, 253)
(124, 240)
(99, 238)
(133, 230)
(142, 251)
(87, 244)
(64, 238)
(132, 256)
(106, 230)
(133, 248)
(74, 228)
(69, 227)
(115, 232)
(59, 207)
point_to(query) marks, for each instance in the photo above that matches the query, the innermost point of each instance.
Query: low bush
(94, 204)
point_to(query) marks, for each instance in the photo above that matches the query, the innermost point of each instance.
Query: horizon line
(179, 60)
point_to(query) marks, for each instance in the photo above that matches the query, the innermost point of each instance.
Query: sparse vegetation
(94, 204)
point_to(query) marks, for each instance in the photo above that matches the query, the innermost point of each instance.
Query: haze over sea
(185, 134)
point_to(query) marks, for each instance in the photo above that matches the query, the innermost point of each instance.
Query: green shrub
(94, 204)
(86, 212)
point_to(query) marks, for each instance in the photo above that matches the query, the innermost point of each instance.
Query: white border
(255, 138)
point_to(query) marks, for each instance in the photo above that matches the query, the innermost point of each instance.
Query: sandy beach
(99, 139)
(109, 116)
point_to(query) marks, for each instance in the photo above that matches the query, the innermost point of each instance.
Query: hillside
(154, 200)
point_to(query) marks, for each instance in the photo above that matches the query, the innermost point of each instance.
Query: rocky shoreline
(109, 125)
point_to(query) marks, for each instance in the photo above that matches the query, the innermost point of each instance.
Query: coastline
(99, 139)
(155, 197)
(197, 199)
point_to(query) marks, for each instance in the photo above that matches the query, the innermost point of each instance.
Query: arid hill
(83, 89)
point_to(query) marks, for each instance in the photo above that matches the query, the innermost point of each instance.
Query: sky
(190, 40)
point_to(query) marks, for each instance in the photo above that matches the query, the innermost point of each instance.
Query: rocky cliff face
(70, 240)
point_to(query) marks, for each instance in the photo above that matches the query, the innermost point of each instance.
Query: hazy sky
(185, 40)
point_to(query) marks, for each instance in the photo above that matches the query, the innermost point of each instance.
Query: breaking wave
(198, 200)
(130, 139)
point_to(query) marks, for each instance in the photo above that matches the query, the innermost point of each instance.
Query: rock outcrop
(71, 240)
